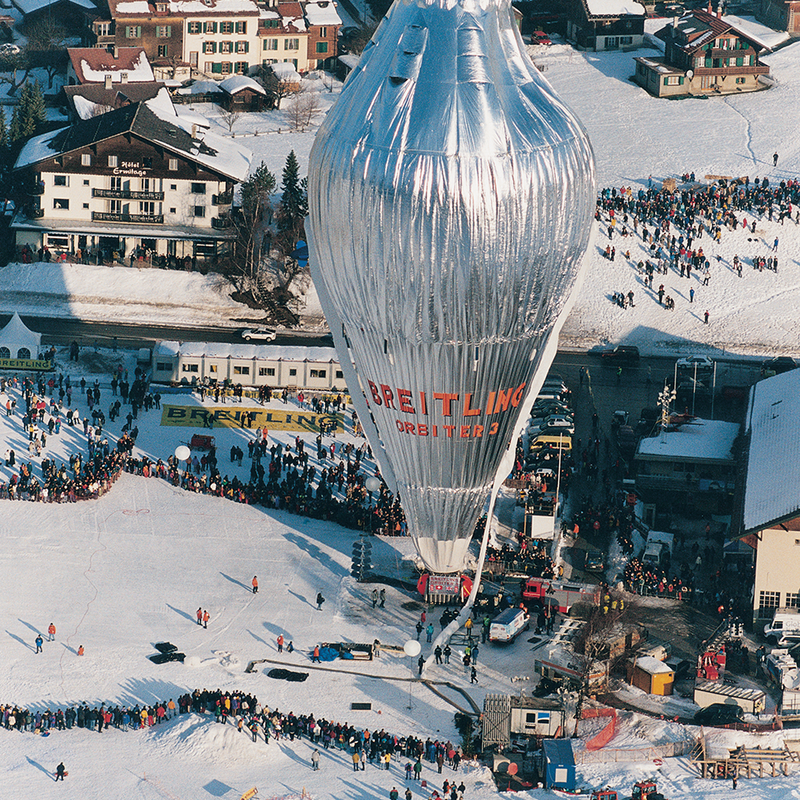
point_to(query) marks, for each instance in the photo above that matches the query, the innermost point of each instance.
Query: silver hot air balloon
(450, 196)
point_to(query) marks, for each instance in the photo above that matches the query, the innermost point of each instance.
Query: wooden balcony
(141, 219)
(124, 194)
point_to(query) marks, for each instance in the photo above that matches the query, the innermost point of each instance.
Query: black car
(777, 365)
(719, 714)
(622, 355)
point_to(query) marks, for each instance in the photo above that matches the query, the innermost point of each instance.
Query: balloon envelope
(412, 648)
(373, 484)
(182, 452)
(450, 198)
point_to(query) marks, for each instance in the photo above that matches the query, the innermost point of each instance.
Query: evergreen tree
(15, 131)
(256, 191)
(293, 206)
(37, 113)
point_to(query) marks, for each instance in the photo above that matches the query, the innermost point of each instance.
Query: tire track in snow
(748, 129)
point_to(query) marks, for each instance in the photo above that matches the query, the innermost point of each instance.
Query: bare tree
(305, 108)
(276, 88)
(229, 117)
(45, 46)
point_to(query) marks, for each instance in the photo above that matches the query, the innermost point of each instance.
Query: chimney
(107, 83)
(719, 10)
(116, 49)
(194, 131)
(123, 77)
(708, 8)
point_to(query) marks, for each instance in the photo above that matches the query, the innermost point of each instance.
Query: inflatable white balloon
(182, 452)
(372, 484)
(412, 648)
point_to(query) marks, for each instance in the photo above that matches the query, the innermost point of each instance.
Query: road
(57, 330)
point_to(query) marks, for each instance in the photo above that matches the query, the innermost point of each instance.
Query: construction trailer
(651, 675)
(505, 716)
(751, 701)
(558, 764)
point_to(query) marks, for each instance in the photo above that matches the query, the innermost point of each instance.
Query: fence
(614, 755)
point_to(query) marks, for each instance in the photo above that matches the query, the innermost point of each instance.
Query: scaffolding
(743, 762)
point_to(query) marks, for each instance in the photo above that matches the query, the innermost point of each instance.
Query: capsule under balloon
(450, 198)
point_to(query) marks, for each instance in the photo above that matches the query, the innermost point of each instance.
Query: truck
(751, 701)
(560, 596)
(658, 548)
(508, 624)
(785, 626)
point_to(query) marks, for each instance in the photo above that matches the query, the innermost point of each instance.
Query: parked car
(626, 441)
(540, 37)
(264, 334)
(9, 49)
(702, 363)
(719, 714)
(594, 561)
(777, 365)
(622, 355)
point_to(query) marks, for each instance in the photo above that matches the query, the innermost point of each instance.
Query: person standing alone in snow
(315, 760)
(774, 159)
(255, 584)
(320, 601)
(39, 642)
(61, 770)
(705, 317)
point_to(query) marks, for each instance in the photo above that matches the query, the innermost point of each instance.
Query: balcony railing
(147, 219)
(35, 213)
(224, 199)
(221, 222)
(37, 188)
(124, 194)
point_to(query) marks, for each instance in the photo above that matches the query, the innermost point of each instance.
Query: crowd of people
(676, 225)
(360, 746)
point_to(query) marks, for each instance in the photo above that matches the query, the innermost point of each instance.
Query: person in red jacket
(52, 631)
(206, 618)
(255, 585)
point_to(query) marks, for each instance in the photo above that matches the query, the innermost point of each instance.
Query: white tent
(18, 341)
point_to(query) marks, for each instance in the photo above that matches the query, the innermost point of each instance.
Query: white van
(507, 625)
(785, 626)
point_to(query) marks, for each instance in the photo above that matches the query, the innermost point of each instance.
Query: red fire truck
(558, 595)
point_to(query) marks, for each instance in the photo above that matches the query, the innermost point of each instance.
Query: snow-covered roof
(285, 71)
(201, 87)
(222, 350)
(700, 440)
(93, 64)
(323, 13)
(238, 83)
(772, 490)
(652, 665)
(350, 60)
(292, 17)
(186, 7)
(766, 37)
(615, 8)
(154, 122)
(29, 6)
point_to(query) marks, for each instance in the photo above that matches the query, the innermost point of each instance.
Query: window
(226, 47)
(163, 366)
(626, 40)
(113, 161)
(59, 161)
(195, 27)
(147, 161)
(318, 373)
(173, 164)
(198, 188)
(208, 66)
(86, 205)
(5, 352)
(291, 44)
(241, 26)
(740, 62)
(190, 368)
(792, 600)
(161, 8)
(173, 211)
(102, 28)
(23, 352)
(227, 67)
(242, 47)
(673, 80)
(272, 23)
(226, 27)
(209, 27)
(115, 206)
(163, 51)
(133, 32)
(266, 371)
(241, 370)
(339, 375)
(769, 599)
(322, 47)
(323, 32)
(147, 208)
(270, 44)
(241, 66)
(86, 160)
(740, 80)
(199, 211)
(60, 180)
(173, 187)
(292, 372)
(61, 203)
(163, 31)
(212, 368)
(86, 183)
(209, 47)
